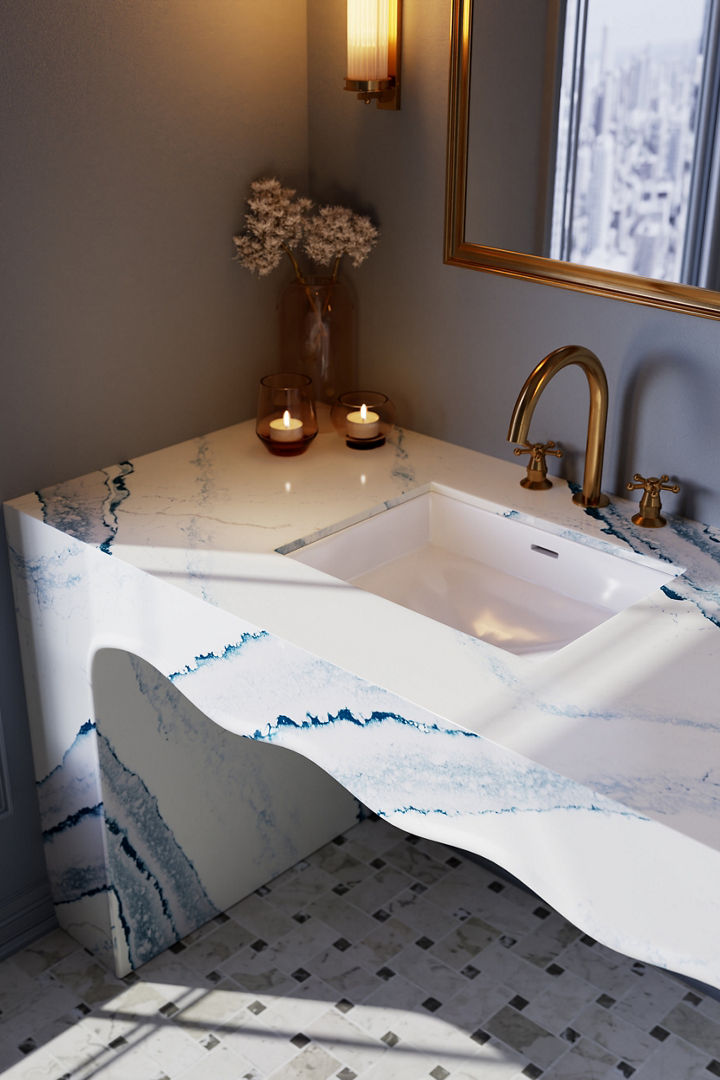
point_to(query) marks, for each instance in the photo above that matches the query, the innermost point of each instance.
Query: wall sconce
(373, 48)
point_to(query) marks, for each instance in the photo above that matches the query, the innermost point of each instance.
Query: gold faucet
(536, 382)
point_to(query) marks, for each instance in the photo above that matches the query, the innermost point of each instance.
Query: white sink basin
(511, 584)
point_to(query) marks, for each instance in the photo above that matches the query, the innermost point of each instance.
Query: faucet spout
(591, 494)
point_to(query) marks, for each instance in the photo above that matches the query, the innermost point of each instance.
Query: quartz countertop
(624, 720)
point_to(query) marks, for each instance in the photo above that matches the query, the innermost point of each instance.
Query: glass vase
(317, 335)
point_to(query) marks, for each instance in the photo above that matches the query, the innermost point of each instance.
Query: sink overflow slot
(544, 551)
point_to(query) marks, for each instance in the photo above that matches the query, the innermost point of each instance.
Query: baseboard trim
(24, 917)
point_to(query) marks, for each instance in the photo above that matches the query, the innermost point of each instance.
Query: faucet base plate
(581, 499)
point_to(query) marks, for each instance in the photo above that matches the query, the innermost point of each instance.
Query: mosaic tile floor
(382, 957)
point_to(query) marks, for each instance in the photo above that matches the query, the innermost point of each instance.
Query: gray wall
(129, 133)
(453, 346)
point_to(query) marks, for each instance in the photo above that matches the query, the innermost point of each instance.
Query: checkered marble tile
(381, 956)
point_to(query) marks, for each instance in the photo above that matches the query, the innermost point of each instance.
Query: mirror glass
(582, 146)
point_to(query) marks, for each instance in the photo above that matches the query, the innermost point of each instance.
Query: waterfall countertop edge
(628, 709)
(611, 746)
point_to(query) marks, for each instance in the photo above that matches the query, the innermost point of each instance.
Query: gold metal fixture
(373, 51)
(536, 479)
(528, 397)
(649, 515)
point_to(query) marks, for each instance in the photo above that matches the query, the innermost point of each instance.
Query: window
(635, 185)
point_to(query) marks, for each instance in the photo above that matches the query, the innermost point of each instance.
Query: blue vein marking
(348, 717)
(73, 819)
(118, 492)
(115, 829)
(84, 729)
(501, 811)
(229, 651)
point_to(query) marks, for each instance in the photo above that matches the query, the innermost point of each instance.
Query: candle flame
(286, 419)
(363, 412)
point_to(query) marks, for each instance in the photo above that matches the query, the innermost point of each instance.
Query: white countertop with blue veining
(595, 771)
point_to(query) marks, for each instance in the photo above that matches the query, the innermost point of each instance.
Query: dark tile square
(256, 1007)
(453, 862)
(341, 944)
(301, 917)
(378, 863)
(541, 913)
(346, 1074)
(343, 1005)
(117, 1043)
(385, 973)
(431, 1004)
(470, 971)
(507, 942)
(27, 1046)
(519, 1002)
(339, 840)
(83, 1008)
(300, 974)
(693, 999)
(461, 914)
(570, 1035)
(480, 1036)
(130, 978)
(410, 839)
(587, 940)
(659, 1033)
(496, 886)
(424, 942)
(221, 918)
(381, 915)
(390, 1038)
(606, 1001)
(169, 1009)
(210, 1042)
(624, 1069)
(532, 1072)
(214, 977)
(341, 888)
(263, 890)
(713, 1068)
(438, 1073)
(177, 947)
(259, 945)
(299, 1040)
(554, 969)
(417, 887)
(638, 968)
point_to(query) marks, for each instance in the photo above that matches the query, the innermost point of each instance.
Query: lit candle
(362, 424)
(286, 428)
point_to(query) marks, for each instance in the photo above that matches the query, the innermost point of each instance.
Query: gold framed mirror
(476, 252)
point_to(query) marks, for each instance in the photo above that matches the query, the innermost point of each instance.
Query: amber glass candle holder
(363, 418)
(286, 420)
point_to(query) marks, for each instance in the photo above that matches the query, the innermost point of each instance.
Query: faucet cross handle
(536, 479)
(649, 515)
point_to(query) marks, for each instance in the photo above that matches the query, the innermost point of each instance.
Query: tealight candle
(362, 424)
(286, 428)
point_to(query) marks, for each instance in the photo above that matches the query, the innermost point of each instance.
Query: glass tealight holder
(363, 418)
(286, 420)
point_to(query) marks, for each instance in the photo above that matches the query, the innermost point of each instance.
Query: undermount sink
(490, 575)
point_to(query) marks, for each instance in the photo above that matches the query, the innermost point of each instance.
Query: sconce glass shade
(373, 50)
(367, 40)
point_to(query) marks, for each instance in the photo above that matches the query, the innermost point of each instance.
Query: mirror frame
(458, 251)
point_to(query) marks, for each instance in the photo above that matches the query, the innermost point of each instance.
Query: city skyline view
(623, 188)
